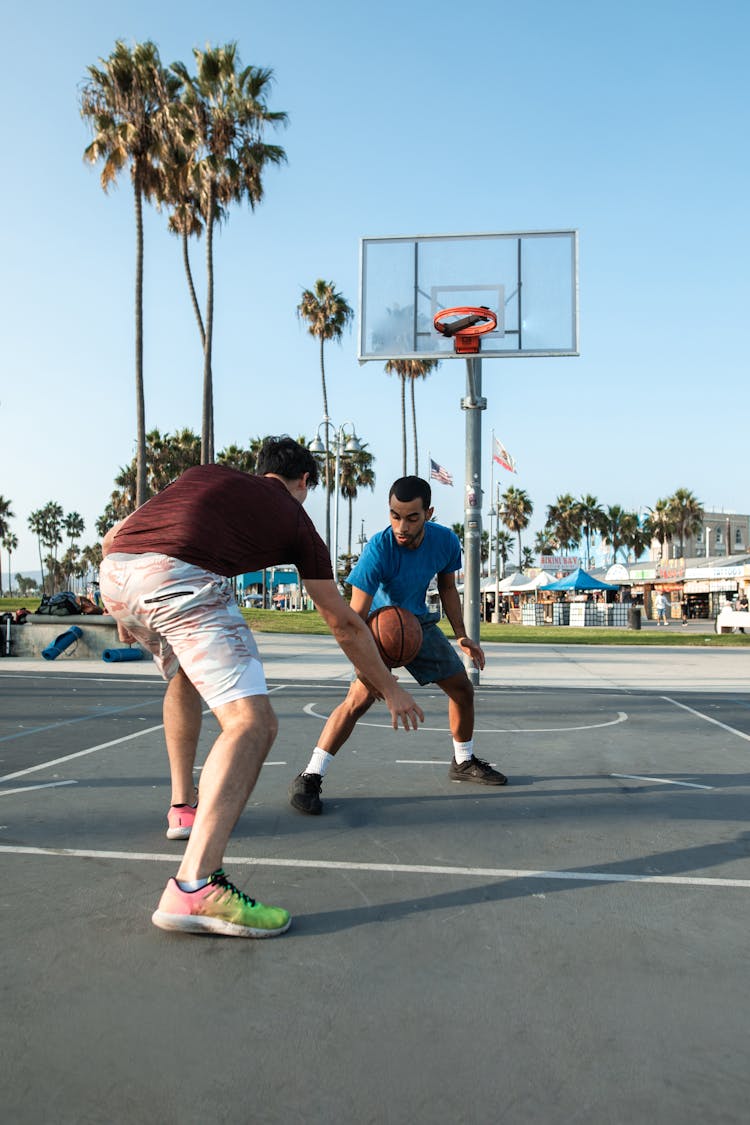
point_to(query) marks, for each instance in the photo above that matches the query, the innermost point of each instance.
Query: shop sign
(715, 572)
(559, 562)
(675, 568)
(642, 575)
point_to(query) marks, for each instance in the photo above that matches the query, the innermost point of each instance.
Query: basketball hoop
(467, 331)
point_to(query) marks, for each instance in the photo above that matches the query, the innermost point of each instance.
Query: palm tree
(504, 541)
(125, 101)
(659, 524)
(356, 472)
(638, 539)
(327, 314)
(222, 127)
(544, 542)
(515, 512)
(411, 370)
(36, 526)
(687, 515)
(528, 558)
(619, 529)
(10, 543)
(592, 517)
(564, 521)
(6, 515)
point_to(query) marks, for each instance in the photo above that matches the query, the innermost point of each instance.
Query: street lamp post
(352, 446)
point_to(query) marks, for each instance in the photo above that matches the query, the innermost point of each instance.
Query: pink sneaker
(180, 820)
(218, 908)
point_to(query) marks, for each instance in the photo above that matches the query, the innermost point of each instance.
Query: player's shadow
(682, 861)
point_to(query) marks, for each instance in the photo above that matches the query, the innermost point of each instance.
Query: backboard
(529, 279)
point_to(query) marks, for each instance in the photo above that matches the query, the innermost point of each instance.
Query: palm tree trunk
(207, 426)
(140, 403)
(191, 287)
(403, 424)
(412, 381)
(519, 551)
(327, 479)
(41, 564)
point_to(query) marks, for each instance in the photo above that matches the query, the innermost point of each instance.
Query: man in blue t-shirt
(395, 568)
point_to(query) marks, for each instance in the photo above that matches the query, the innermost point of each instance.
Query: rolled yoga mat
(65, 640)
(112, 655)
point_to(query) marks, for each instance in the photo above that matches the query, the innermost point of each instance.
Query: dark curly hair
(286, 458)
(409, 488)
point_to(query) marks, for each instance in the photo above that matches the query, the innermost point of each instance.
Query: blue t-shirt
(395, 575)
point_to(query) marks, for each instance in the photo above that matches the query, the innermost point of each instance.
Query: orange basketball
(397, 633)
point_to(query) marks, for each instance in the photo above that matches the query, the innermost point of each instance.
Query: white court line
(700, 715)
(661, 780)
(80, 753)
(622, 717)
(400, 868)
(29, 788)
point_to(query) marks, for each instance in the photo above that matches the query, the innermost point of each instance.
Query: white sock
(191, 884)
(463, 751)
(319, 762)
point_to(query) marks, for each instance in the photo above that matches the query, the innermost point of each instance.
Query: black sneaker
(476, 770)
(304, 793)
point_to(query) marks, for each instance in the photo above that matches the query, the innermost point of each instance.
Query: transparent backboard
(529, 279)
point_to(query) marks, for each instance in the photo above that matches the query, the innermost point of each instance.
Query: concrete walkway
(288, 657)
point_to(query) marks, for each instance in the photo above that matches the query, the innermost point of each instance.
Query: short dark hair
(286, 458)
(409, 488)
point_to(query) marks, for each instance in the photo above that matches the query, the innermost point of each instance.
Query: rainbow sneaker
(218, 908)
(180, 820)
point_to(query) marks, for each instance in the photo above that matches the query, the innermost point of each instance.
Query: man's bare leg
(248, 730)
(342, 721)
(182, 711)
(304, 790)
(465, 765)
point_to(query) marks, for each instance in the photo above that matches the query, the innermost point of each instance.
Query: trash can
(634, 617)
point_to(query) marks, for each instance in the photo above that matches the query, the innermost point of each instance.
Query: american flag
(437, 472)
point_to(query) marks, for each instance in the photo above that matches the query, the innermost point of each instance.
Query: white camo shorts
(186, 618)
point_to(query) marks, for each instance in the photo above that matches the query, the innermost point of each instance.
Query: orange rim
(472, 329)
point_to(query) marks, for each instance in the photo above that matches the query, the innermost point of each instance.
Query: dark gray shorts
(437, 659)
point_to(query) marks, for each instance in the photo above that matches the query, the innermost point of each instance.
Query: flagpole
(492, 493)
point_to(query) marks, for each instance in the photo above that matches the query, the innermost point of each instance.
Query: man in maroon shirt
(165, 580)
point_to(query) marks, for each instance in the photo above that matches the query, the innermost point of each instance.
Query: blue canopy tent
(579, 580)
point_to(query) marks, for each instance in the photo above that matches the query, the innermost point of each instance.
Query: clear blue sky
(627, 121)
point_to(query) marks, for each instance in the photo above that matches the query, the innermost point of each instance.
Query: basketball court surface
(571, 947)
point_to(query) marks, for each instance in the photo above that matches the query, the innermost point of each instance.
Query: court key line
(400, 868)
(622, 717)
(708, 718)
(30, 788)
(661, 780)
(90, 750)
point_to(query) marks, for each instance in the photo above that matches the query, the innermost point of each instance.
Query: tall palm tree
(687, 515)
(356, 473)
(544, 542)
(659, 524)
(619, 528)
(6, 515)
(409, 370)
(125, 101)
(36, 527)
(327, 314)
(223, 124)
(593, 518)
(10, 543)
(516, 511)
(564, 521)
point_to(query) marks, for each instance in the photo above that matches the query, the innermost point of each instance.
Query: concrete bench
(730, 619)
(99, 632)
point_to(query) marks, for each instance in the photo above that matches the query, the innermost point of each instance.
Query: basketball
(397, 634)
